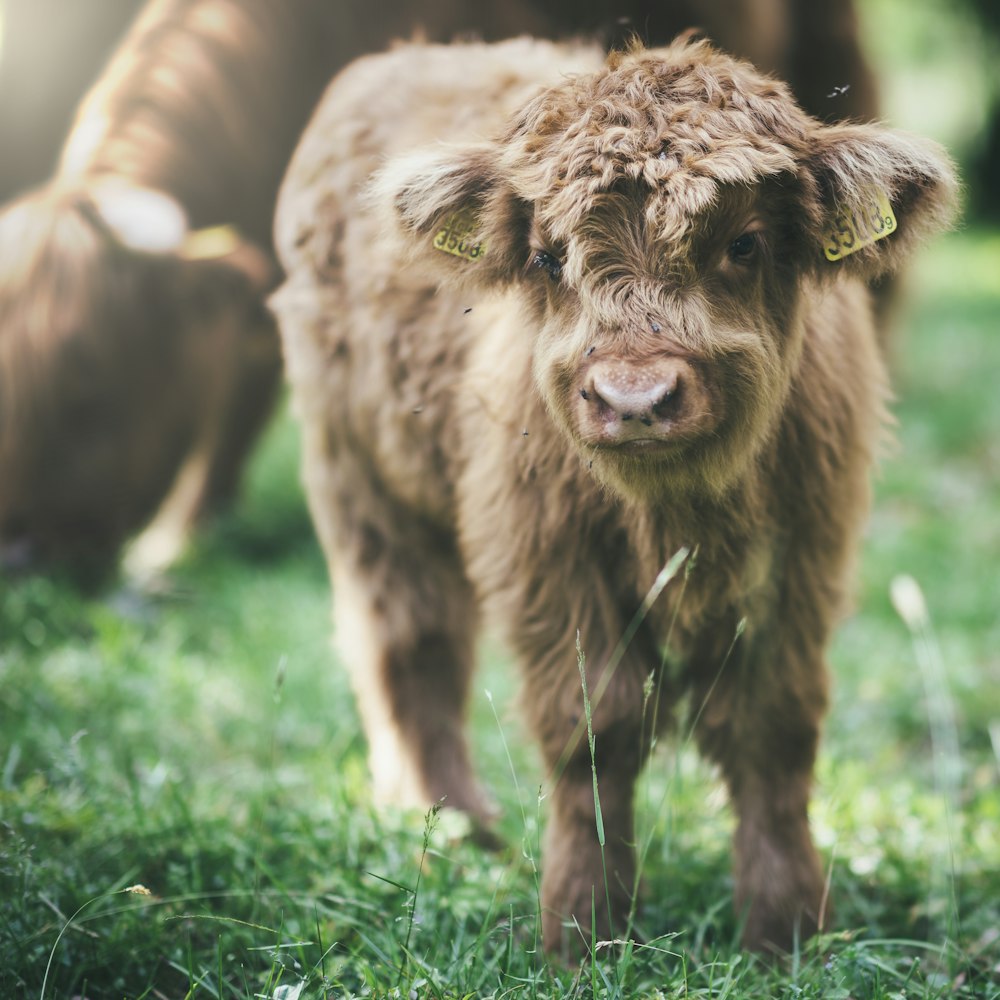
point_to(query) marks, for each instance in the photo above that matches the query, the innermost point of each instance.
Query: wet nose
(633, 403)
(632, 392)
(648, 393)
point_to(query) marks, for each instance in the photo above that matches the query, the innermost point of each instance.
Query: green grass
(203, 743)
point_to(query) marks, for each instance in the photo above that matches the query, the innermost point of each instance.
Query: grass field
(201, 742)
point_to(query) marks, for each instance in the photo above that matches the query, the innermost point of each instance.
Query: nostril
(668, 401)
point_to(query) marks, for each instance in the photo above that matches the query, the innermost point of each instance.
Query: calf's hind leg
(404, 621)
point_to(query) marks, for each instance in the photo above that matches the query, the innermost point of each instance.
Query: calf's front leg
(759, 719)
(587, 886)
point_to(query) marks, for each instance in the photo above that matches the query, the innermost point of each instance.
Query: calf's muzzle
(633, 404)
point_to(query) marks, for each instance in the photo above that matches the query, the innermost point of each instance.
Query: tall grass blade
(908, 600)
(139, 890)
(664, 577)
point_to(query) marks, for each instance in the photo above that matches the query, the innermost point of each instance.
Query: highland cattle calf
(588, 315)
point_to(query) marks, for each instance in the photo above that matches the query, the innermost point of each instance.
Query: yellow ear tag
(211, 243)
(455, 236)
(871, 221)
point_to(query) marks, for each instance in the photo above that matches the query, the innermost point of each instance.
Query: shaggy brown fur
(814, 46)
(116, 367)
(103, 410)
(643, 348)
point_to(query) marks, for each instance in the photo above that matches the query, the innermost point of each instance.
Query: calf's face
(663, 224)
(665, 358)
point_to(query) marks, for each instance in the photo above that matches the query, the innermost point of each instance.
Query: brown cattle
(136, 361)
(118, 367)
(135, 367)
(584, 319)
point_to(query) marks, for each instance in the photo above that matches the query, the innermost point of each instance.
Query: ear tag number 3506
(455, 237)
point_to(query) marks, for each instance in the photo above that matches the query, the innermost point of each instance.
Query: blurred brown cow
(131, 358)
(137, 361)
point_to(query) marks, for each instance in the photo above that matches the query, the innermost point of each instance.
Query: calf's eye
(743, 247)
(550, 264)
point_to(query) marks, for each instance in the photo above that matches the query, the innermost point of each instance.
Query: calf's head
(667, 224)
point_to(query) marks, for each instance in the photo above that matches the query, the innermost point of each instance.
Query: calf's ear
(882, 193)
(446, 209)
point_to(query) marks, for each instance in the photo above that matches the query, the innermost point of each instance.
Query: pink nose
(630, 392)
(628, 401)
(647, 406)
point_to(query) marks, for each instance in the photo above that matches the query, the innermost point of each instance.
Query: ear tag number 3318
(870, 221)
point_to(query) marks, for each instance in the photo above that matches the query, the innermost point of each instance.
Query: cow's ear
(881, 194)
(447, 210)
